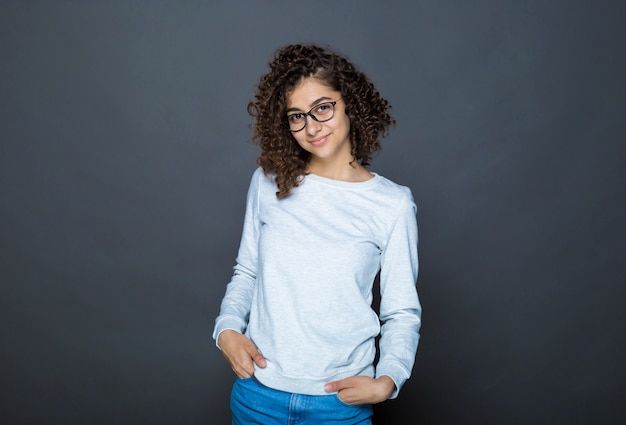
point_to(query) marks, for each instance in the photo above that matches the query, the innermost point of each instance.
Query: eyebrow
(315, 102)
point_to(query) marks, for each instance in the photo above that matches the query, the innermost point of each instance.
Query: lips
(319, 141)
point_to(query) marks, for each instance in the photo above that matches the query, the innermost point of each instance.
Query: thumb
(259, 359)
(334, 386)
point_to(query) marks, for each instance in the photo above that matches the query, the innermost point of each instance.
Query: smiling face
(328, 142)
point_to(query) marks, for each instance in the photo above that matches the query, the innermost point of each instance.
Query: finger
(333, 386)
(249, 367)
(341, 384)
(348, 396)
(245, 372)
(243, 367)
(259, 359)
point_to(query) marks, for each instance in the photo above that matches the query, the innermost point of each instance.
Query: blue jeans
(254, 403)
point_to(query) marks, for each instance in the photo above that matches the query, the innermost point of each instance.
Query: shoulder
(259, 177)
(262, 184)
(258, 173)
(394, 191)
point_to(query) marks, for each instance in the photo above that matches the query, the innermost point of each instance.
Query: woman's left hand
(362, 389)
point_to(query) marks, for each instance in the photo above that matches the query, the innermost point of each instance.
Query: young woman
(296, 323)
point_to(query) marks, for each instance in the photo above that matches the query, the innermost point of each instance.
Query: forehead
(307, 92)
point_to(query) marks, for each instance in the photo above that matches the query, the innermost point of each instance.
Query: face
(328, 142)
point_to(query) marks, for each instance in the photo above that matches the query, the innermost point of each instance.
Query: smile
(319, 141)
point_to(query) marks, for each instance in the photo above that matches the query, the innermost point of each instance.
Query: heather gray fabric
(304, 277)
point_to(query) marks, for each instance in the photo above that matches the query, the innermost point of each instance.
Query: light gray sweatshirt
(302, 283)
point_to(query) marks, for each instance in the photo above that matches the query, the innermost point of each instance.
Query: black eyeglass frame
(309, 114)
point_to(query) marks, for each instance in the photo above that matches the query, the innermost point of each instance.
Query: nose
(312, 126)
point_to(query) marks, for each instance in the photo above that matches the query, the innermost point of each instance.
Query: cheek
(299, 141)
(345, 123)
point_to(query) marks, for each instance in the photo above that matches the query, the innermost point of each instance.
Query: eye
(295, 117)
(324, 107)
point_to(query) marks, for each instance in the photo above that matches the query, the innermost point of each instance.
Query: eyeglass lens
(320, 113)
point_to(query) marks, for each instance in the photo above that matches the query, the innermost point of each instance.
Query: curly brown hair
(366, 109)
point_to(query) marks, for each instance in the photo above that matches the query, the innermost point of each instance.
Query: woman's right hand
(240, 352)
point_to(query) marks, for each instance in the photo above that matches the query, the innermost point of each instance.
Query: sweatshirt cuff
(225, 323)
(397, 375)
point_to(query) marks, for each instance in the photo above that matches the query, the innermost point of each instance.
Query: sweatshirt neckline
(343, 184)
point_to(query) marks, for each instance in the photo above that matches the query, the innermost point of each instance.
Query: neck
(343, 171)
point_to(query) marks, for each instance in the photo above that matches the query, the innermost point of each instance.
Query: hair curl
(366, 109)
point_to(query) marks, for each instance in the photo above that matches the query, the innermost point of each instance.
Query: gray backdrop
(125, 158)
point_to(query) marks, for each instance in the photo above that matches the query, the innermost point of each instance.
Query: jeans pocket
(336, 395)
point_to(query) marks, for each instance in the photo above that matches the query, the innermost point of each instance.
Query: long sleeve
(400, 309)
(301, 290)
(236, 304)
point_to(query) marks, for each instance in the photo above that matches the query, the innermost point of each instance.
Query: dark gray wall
(125, 158)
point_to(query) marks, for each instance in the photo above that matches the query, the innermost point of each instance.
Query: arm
(400, 309)
(400, 313)
(232, 320)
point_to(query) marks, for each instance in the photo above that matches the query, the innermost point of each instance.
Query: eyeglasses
(321, 113)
